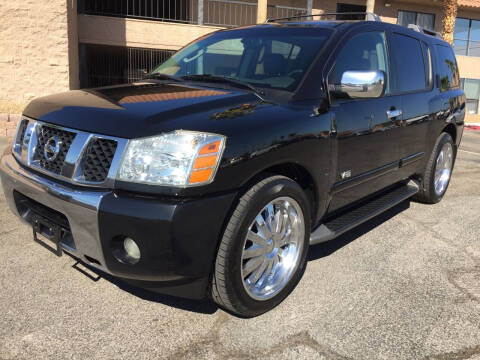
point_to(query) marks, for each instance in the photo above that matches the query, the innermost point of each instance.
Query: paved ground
(404, 286)
(3, 143)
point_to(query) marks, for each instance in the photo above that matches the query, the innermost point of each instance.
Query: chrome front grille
(97, 159)
(70, 155)
(22, 128)
(65, 138)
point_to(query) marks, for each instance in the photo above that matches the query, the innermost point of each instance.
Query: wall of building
(469, 68)
(138, 33)
(8, 125)
(34, 50)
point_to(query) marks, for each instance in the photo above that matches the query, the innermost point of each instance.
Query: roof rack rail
(368, 16)
(425, 31)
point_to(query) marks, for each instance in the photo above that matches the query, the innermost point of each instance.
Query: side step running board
(346, 221)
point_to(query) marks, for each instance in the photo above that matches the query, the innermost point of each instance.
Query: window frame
(429, 82)
(468, 40)
(428, 57)
(416, 16)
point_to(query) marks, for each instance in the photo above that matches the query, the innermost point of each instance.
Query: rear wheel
(438, 171)
(262, 253)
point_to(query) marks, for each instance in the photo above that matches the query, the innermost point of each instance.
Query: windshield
(263, 57)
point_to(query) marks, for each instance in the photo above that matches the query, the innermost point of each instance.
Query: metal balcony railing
(229, 13)
(209, 12)
(165, 10)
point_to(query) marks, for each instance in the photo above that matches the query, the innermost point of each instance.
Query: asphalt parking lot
(405, 285)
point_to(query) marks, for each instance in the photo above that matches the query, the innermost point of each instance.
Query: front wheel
(262, 253)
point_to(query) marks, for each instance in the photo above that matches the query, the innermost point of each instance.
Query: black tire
(427, 193)
(227, 288)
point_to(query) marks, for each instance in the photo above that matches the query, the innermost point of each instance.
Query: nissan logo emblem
(52, 148)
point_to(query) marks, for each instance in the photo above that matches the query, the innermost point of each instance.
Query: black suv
(213, 175)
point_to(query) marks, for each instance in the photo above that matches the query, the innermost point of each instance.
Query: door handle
(393, 113)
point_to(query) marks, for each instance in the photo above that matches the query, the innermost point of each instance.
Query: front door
(367, 150)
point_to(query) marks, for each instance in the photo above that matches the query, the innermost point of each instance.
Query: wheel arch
(452, 131)
(295, 172)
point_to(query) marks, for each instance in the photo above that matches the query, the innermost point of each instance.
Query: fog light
(132, 251)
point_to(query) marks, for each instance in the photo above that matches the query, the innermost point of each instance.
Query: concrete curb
(472, 126)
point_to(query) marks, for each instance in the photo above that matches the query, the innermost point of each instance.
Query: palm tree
(449, 8)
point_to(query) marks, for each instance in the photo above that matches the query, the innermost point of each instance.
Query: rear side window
(448, 68)
(412, 72)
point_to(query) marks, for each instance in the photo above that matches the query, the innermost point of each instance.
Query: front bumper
(178, 238)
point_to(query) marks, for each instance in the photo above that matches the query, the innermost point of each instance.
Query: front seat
(274, 65)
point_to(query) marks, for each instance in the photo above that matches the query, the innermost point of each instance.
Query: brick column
(73, 56)
(200, 12)
(261, 11)
(370, 6)
(309, 6)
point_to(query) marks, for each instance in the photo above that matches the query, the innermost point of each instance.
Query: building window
(424, 20)
(472, 92)
(466, 37)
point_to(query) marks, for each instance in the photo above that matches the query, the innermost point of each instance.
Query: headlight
(180, 158)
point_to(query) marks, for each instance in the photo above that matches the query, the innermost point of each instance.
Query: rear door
(448, 82)
(412, 61)
(366, 144)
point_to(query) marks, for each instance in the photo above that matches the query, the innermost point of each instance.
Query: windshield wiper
(224, 79)
(160, 76)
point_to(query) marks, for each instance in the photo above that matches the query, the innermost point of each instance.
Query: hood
(142, 109)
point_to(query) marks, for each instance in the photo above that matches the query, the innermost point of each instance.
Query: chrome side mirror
(361, 84)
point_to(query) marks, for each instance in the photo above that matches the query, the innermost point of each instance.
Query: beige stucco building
(56, 45)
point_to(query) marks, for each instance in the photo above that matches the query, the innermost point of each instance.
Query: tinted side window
(411, 73)
(365, 51)
(448, 68)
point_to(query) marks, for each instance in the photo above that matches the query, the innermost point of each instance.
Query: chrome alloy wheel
(272, 248)
(443, 168)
